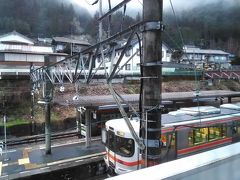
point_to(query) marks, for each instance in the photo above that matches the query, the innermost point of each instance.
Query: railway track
(40, 138)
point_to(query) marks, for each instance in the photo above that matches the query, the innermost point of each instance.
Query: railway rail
(40, 137)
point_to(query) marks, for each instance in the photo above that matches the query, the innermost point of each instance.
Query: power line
(177, 24)
(95, 2)
(140, 2)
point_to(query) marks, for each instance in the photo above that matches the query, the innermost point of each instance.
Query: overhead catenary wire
(93, 3)
(173, 41)
(184, 50)
(109, 18)
(177, 24)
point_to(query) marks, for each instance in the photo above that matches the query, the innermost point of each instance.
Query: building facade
(206, 58)
(18, 52)
(130, 64)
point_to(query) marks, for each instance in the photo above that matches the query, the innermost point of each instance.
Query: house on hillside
(206, 58)
(69, 46)
(130, 64)
(17, 52)
(15, 38)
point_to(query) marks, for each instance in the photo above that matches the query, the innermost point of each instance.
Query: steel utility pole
(152, 71)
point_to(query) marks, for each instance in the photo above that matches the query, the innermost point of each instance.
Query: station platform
(27, 161)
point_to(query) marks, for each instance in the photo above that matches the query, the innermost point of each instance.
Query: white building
(17, 52)
(209, 57)
(130, 64)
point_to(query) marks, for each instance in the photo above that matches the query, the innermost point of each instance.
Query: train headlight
(120, 133)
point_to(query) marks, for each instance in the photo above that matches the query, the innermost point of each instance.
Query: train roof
(121, 125)
(199, 114)
(183, 116)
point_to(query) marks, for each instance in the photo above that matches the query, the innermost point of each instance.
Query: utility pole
(5, 130)
(78, 120)
(47, 88)
(152, 74)
(32, 93)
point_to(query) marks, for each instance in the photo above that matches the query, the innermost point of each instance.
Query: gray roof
(205, 51)
(16, 37)
(68, 40)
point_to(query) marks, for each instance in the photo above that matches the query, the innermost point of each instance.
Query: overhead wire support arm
(121, 56)
(76, 68)
(92, 60)
(114, 9)
(138, 140)
(38, 73)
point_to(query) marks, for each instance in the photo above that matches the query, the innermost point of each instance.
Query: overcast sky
(136, 5)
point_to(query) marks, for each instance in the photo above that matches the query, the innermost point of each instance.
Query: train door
(235, 128)
(168, 146)
(111, 149)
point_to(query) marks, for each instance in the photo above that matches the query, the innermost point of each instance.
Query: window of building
(138, 66)
(128, 53)
(127, 67)
(162, 54)
(138, 52)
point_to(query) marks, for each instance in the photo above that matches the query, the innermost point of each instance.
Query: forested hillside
(215, 25)
(41, 17)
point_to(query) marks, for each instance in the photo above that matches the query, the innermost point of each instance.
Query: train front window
(124, 146)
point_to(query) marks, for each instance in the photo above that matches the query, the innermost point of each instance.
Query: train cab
(122, 152)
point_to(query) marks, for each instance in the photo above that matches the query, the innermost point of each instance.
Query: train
(184, 132)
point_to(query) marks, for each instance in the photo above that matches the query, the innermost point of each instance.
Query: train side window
(164, 140)
(172, 140)
(224, 130)
(215, 133)
(168, 140)
(200, 135)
